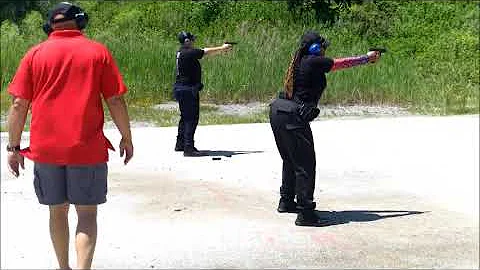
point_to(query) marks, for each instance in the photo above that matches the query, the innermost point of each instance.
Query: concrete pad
(403, 193)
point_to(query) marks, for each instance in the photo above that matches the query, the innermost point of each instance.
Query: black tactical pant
(294, 140)
(189, 104)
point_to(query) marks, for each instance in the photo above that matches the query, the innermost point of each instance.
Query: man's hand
(373, 56)
(14, 160)
(126, 147)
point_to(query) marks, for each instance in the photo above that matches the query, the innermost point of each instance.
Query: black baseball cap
(182, 36)
(68, 10)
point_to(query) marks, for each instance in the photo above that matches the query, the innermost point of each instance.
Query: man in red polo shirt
(63, 80)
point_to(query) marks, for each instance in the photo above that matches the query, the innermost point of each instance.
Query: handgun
(381, 50)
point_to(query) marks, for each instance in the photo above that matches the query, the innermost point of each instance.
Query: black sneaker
(310, 218)
(287, 206)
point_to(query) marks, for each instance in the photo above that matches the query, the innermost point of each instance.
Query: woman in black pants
(290, 115)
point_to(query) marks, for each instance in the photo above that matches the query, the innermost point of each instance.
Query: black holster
(308, 112)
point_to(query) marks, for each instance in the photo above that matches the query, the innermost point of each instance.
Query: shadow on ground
(225, 153)
(343, 217)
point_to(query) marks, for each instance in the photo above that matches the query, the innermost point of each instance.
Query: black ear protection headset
(70, 12)
(185, 35)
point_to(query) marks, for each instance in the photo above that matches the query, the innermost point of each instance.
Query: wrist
(13, 148)
(364, 59)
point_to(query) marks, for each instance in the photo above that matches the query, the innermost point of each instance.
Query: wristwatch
(13, 148)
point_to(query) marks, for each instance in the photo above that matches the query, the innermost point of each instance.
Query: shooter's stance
(186, 89)
(290, 115)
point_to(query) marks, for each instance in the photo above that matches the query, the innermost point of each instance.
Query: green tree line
(432, 63)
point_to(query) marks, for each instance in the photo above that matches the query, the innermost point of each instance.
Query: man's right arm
(348, 62)
(216, 50)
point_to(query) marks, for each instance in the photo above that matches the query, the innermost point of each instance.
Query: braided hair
(289, 75)
(307, 39)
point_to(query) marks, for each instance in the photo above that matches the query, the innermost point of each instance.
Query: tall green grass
(431, 66)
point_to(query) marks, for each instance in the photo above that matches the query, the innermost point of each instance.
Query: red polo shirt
(65, 78)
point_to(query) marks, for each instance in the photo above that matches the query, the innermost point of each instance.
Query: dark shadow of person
(224, 153)
(330, 218)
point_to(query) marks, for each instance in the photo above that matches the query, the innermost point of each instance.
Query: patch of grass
(208, 108)
(142, 112)
(431, 66)
(220, 119)
(208, 116)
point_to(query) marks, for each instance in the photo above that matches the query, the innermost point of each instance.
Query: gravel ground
(337, 111)
(328, 110)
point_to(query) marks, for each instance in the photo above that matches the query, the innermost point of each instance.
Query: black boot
(308, 217)
(287, 206)
(180, 141)
(191, 152)
(179, 146)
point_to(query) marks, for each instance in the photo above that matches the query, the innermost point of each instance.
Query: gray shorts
(80, 185)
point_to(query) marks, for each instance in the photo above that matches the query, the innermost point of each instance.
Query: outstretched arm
(348, 62)
(216, 50)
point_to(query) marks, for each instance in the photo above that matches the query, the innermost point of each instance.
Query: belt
(302, 103)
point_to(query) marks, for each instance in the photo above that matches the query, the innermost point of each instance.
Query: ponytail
(288, 82)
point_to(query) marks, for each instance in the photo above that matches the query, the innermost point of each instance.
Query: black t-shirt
(310, 80)
(188, 69)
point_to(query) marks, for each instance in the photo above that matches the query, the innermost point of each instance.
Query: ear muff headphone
(47, 28)
(73, 12)
(185, 35)
(316, 47)
(81, 19)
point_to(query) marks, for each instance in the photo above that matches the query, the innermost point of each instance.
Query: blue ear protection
(314, 49)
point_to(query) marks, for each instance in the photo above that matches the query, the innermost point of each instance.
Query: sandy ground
(403, 192)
